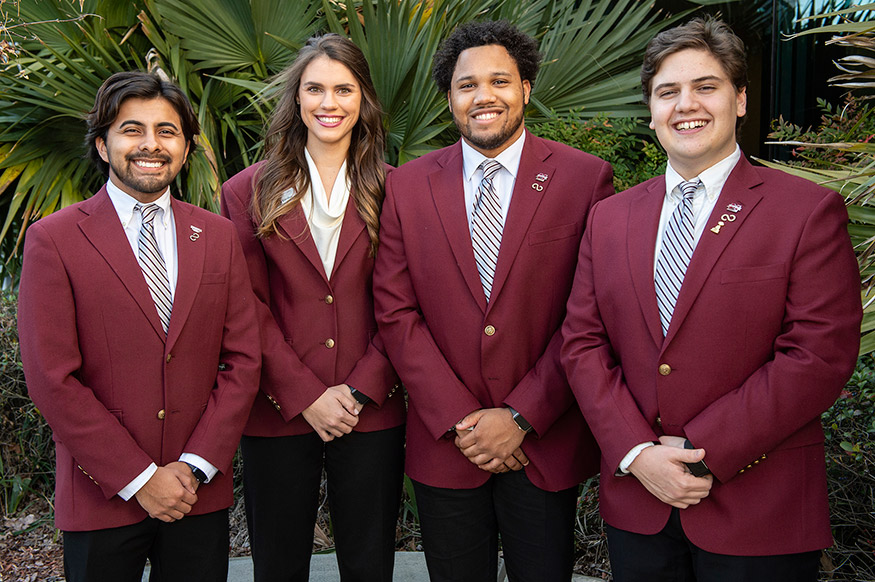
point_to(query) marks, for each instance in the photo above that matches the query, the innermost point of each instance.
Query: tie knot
(148, 212)
(689, 188)
(490, 168)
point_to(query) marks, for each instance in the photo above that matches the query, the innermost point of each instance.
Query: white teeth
(144, 164)
(330, 119)
(486, 116)
(689, 125)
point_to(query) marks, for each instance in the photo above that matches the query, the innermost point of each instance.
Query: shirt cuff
(201, 463)
(131, 488)
(631, 456)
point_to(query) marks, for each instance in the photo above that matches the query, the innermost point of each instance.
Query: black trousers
(669, 556)
(281, 478)
(193, 548)
(461, 530)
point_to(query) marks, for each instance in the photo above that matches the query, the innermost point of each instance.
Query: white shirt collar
(509, 158)
(124, 204)
(712, 179)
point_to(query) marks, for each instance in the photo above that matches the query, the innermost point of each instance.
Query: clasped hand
(491, 439)
(662, 470)
(334, 413)
(170, 493)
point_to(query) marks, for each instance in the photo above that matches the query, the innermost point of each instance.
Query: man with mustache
(478, 247)
(141, 349)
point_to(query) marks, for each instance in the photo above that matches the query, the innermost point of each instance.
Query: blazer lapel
(737, 191)
(528, 191)
(102, 228)
(448, 193)
(352, 227)
(191, 247)
(294, 226)
(641, 234)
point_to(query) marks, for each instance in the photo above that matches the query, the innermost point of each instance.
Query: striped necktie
(486, 226)
(674, 256)
(152, 263)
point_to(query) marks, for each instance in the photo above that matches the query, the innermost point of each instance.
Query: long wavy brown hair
(285, 164)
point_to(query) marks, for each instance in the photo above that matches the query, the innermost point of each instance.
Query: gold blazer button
(664, 369)
(489, 330)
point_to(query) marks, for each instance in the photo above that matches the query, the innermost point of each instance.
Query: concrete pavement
(409, 567)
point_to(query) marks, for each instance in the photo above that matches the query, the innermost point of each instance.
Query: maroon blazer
(455, 353)
(763, 337)
(300, 310)
(117, 394)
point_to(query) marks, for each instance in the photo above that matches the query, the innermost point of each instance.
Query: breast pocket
(551, 234)
(753, 274)
(213, 278)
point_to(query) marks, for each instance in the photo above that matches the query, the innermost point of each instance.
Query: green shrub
(850, 460)
(26, 447)
(623, 142)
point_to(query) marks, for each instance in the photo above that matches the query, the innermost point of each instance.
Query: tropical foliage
(840, 154)
(224, 53)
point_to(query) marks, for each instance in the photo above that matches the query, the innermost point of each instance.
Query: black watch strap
(198, 474)
(699, 469)
(519, 420)
(360, 397)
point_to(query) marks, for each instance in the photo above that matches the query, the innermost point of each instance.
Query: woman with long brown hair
(308, 219)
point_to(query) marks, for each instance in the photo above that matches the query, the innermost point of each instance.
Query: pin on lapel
(196, 232)
(734, 207)
(542, 177)
(722, 222)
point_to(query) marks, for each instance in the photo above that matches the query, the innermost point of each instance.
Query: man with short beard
(141, 349)
(472, 274)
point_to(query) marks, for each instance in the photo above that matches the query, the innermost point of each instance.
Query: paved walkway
(409, 567)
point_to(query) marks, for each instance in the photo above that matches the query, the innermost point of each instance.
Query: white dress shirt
(503, 180)
(165, 235)
(324, 215)
(704, 200)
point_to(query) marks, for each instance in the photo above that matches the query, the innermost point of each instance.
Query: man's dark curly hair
(521, 47)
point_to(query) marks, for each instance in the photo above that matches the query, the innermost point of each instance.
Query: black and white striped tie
(486, 226)
(674, 256)
(152, 263)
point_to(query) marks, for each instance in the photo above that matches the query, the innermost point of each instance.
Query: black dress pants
(461, 529)
(669, 556)
(195, 548)
(281, 478)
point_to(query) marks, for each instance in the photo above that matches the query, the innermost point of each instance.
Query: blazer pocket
(213, 278)
(555, 233)
(751, 274)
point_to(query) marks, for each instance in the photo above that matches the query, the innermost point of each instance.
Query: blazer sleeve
(442, 399)
(373, 374)
(50, 353)
(814, 355)
(285, 379)
(218, 431)
(542, 396)
(593, 371)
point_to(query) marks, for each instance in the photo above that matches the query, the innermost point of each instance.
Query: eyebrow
(318, 84)
(490, 74)
(694, 81)
(141, 124)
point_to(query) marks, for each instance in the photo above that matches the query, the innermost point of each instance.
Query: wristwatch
(699, 469)
(360, 397)
(521, 422)
(198, 474)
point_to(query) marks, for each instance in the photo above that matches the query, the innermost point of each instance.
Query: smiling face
(487, 98)
(144, 147)
(330, 99)
(694, 107)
